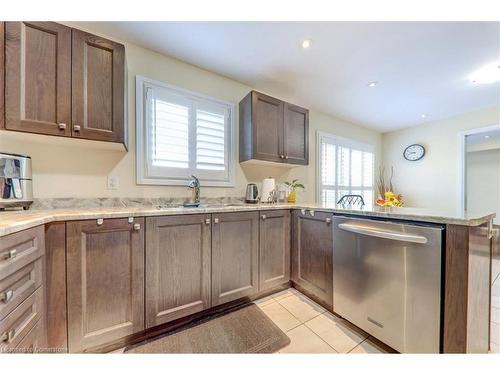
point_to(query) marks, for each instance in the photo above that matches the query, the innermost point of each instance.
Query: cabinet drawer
(20, 249)
(16, 287)
(34, 341)
(20, 321)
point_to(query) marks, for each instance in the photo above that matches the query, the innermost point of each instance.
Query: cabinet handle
(328, 221)
(100, 221)
(62, 126)
(8, 336)
(282, 156)
(311, 212)
(286, 157)
(137, 226)
(303, 212)
(216, 220)
(207, 221)
(10, 254)
(76, 128)
(263, 217)
(6, 296)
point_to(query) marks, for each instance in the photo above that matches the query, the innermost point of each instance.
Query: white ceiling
(421, 67)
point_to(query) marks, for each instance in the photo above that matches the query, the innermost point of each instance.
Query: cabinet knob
(282, 156)
(100, 221)
(311, 212)
(328, 221)
(137, 226)
(207, 221)
(263, 217)
(62, 126)
(6, 296)
(10, 254)
(216, 220)
(286, 157)
(76, 128)
(8, 336)
(303, 212)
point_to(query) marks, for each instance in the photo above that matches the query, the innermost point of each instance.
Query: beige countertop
(14, 221)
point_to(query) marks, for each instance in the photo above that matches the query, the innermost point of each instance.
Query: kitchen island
(61, 236)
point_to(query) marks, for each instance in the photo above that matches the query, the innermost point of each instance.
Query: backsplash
(50, 203)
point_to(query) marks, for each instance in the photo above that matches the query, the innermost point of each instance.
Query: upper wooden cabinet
(312, 254)
(2, 74)
(105, 281)
(38, 77)
(272, 130)
(98, 71)
(62, 81)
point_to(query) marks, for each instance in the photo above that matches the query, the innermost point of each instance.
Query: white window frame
(141, 85)
(346, 142)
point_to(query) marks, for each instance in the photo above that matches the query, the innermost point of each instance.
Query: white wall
(433, 181)
(483, 181)
(79, 168)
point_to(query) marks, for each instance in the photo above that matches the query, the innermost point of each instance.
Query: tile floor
(495, 307)
(311, 328)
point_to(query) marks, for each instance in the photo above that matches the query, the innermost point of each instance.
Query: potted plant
(293, 186)
(387, 197)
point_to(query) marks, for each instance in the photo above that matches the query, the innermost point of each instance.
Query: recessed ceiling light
(372, 84)
(306, 43)
(487, 74)
(486, 136)
(423, 115)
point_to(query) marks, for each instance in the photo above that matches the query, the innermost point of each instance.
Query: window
(180, 133)
(344, 167)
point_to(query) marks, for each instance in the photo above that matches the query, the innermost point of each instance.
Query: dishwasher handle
(382, 233)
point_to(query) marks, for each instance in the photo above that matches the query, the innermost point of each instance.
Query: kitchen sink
(202, 205)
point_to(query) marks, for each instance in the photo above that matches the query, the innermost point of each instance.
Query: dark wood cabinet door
(178, 267)
(38, 77)
(105, 281)
(2, 74)
(98, 79)
(312, 254)
(267, 119)
(235, 251)
(296, 143)
(274, 248)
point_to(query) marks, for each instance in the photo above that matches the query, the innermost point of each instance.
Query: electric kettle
(252, 195)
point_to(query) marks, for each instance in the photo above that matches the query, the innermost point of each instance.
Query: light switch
(113, 182)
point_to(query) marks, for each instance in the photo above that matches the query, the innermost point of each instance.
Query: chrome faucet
(195, 184)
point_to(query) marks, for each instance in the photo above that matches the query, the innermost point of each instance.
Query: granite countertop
(14, 221)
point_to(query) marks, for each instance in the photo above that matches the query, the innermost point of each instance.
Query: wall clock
(414, 152)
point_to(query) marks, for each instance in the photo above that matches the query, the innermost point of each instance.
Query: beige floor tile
(280, 316)
(367, 347)
(284, 293)
(301, 307)
(495, 333)
(495, 315)
(261, 302)
(339, 334)
(305, 341)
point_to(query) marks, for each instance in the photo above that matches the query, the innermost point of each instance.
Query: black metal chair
(351, 200)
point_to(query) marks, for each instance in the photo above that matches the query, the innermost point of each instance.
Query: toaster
(16, 185)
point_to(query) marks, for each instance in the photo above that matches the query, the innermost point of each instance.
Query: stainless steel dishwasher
(387, 281)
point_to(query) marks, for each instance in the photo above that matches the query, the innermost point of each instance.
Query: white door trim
(462, 173)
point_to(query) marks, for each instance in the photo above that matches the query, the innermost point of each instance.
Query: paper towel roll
(268, 186)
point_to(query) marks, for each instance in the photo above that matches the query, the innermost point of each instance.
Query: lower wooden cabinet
(312, 254)
(235, 251)
(178, 267)
(105, 281)
(274, 248)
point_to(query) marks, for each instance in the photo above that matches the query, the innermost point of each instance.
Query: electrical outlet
(113, 182)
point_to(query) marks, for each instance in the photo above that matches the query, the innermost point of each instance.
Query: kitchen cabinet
(235, 251)
(38, 77)
(273, 131)
(105, 280)
(2, 75)
(312, 254)
(62, 81)
(98, 78)
(178, 267)
(274, 248)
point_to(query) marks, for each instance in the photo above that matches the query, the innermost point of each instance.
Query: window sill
(183, 182)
